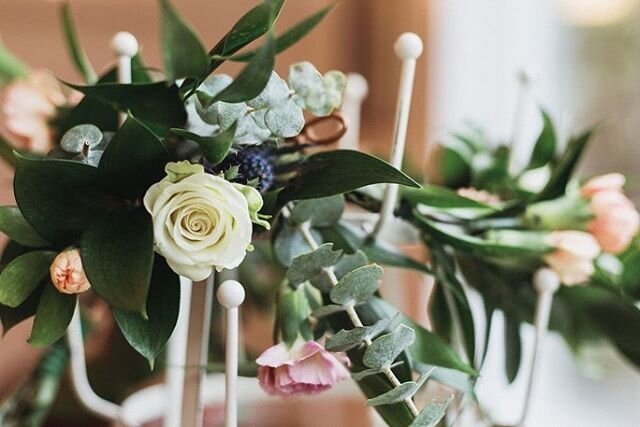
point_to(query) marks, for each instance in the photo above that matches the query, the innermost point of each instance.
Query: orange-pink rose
(67, 273)
(616, 219)
(26, 108)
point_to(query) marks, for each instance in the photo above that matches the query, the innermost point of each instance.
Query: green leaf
(379, 251)
(13, 224)
(513, 354)
(22, 275)
(117, 254)
(184, 54)
(360, 375)
(336, 172)
(149, 336)
(562, 173)
(252, 79)
(79, 137)
(440, 197)
(395, 395)
(143, 100)
(133, 161)
(327, 310)
(252, 25)
(293, 34)
(385, 349)
(10, 316)
(345, 339)
(59, 198)
(322, 212)
(289, 242)
(214, 148)
(306, 266)
(545, 147)
(53, 315)
(293, 312)
(10, 66)
(432, 414)
(395, 415)
(78, 55)
(357, 286)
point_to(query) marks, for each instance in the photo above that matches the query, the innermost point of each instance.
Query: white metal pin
(125, 45)
(408, 48)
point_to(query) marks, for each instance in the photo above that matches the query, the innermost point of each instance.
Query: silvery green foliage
(307, 266)
(87, 142)
(431, 415)
(318, 94)
(345, 340)
(384, 350)
(357, 286)
(404, 391)
(278, 111)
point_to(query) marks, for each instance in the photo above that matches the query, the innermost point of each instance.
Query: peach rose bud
(608, 182)
(67, 273)
(573, 258)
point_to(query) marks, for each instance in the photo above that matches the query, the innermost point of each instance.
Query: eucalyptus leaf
(53, 315)
(357, 286)
(22, 276)
(184, 54)
(117, 254)
(327, 310)
(133, 161)
(78, 55)
(305, 266)
(345, 340)
(350, 262)
(285, 120)
(289, 242)
(321, 212)
(432, 414)
(395, 395)
(13, 224)
(336, 172)
(215, 148)
(79, 137)
(149, 336)
(360, 375)
(385, 349)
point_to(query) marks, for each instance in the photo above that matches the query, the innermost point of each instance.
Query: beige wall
(357, 36)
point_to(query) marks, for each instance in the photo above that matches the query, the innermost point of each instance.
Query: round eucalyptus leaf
(304, 79)
(286, 120)
(78, 137)
(94, 156)
(213, 85)
(275, 93)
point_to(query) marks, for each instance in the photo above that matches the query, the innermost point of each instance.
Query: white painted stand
(355, 93)
(408, 48)
(125, 46)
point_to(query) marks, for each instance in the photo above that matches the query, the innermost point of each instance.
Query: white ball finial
(230, 294)
(357, 86)
(546, 280)
(125, 44)
(408, 46)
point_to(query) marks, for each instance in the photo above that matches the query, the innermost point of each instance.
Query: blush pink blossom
(26, 108)
(608, 182)
(305, 368)
(573, 258)
(616, 220)
(67, 273)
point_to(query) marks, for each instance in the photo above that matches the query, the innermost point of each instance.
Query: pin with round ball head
(125, 46)
(231, 295)
(355, 93)
(408, 48)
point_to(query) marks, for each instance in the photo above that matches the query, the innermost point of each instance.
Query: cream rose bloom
(201, 221)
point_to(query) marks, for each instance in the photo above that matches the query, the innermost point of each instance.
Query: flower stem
(349, 308)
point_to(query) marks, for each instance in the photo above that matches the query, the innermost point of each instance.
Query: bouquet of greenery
(204, 162)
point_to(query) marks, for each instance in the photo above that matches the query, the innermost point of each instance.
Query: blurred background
(579, 57)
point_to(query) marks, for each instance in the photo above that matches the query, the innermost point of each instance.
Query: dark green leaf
(133, 161)
(59, 198)
(443, 198)
(149, 336)
(563, 171)
(513, 346)
(150, 102)
(22, 275)
(78, 55)
(252, 79)
(293, 34)
(10, 317)
(252, 25)
(545, 146)
(184, 55)
(13, 224)
(52, 316)
(214, 148)
(117, 254)
(340, 171)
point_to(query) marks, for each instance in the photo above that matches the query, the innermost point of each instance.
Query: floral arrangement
(204, 164)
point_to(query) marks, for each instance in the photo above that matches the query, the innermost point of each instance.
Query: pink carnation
(608, 182)
(305, 368)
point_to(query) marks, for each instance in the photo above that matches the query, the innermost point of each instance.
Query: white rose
(200, 221)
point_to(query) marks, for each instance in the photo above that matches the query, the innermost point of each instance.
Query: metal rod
(125, 46)
(231, 295)
(197, 346)
(408, 48)
(546, 283)
(79, 379)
